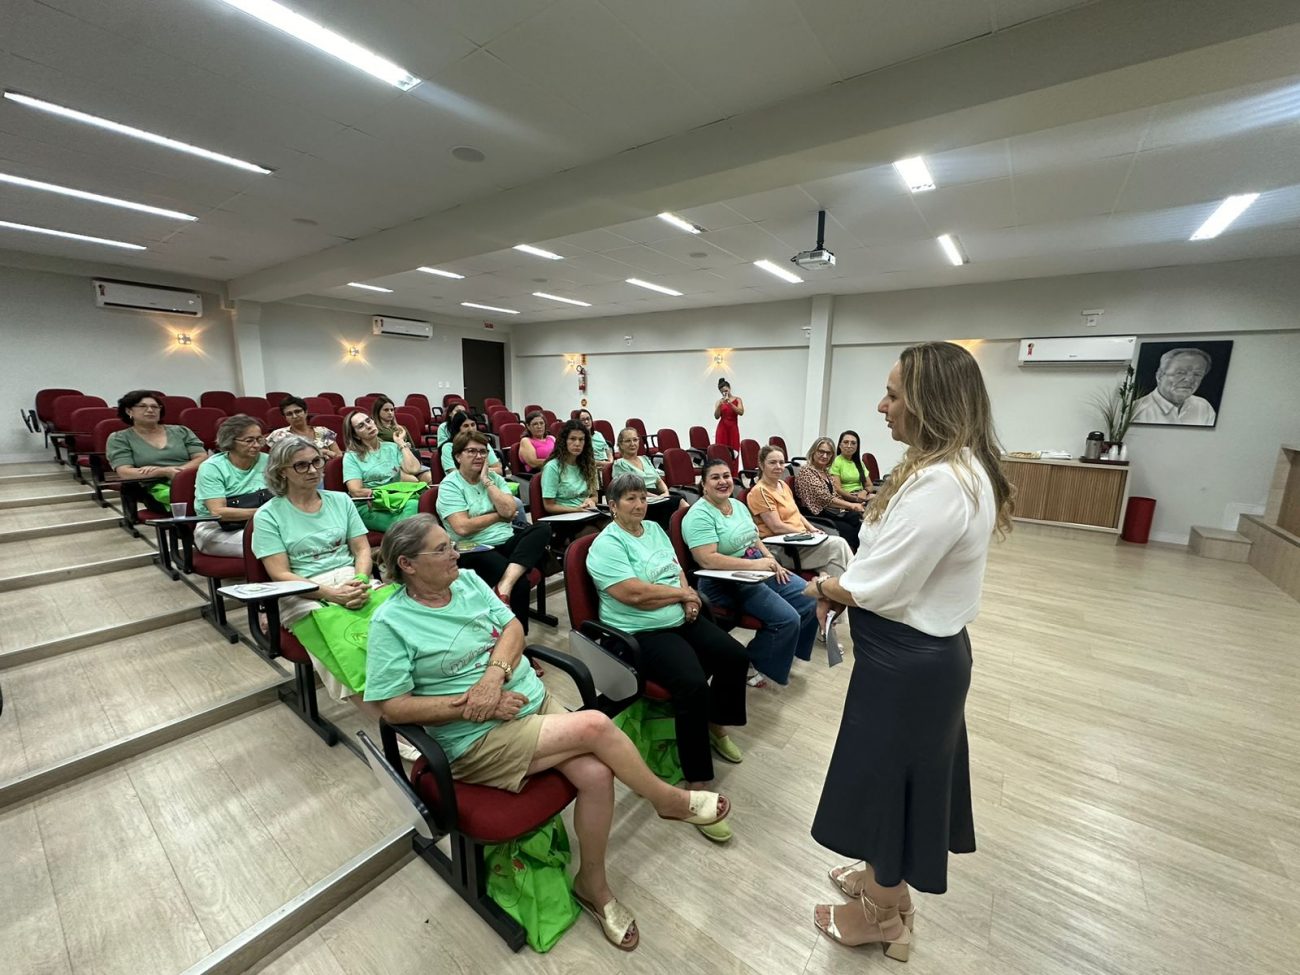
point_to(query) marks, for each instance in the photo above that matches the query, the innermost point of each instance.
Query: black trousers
(526, 548)
(682, 661)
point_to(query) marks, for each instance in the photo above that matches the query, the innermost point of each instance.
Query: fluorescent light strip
(952, 250)
(36, 184)
(441, 273)
(1228, 211)
(504, 311)
(538, 252)
(370, 287)
(915, 174)
(134, 133)
(678, 222)
(779, 271)
(654, 287)
(71, 236)
(567, 301)
(323, 39)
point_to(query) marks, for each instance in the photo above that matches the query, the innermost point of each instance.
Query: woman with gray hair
(643, 591)
(305, 534)
(230, 485)
(444, 652)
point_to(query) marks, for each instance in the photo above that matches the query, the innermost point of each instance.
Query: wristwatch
(820, 591)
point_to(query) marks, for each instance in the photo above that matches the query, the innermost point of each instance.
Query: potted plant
(1116, 407)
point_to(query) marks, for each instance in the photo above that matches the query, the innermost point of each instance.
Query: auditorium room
(766, 487)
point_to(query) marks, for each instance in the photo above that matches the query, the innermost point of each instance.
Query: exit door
(483, 365)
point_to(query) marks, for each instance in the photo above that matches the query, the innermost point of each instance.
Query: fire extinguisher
(582, 379)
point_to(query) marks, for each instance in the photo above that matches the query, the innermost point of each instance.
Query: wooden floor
(1135, 736)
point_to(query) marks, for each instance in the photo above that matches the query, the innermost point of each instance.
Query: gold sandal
(837, 874)
(897, 948)
(615, 920)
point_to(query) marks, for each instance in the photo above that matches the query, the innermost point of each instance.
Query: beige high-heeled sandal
(896, 945)
(905, 908)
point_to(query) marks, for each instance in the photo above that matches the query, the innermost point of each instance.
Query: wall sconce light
(184, 338)
(354, 352)
(717, 358)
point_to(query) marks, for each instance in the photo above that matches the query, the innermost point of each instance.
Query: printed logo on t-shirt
(472, 644)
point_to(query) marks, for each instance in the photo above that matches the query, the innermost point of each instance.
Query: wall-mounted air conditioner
(407, 328)
(1083, 348)
(145, 297)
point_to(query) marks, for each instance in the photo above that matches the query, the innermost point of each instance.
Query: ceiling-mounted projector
(819, 256)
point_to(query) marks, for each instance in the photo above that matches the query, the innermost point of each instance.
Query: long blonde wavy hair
(948, 412)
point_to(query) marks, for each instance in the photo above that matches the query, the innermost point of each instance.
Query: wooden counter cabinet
(1068, 492)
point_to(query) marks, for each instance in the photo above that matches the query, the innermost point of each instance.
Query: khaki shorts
(502, 756)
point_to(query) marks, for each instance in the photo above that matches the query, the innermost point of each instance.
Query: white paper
(736, 575)
(571, 516)
(246, 591)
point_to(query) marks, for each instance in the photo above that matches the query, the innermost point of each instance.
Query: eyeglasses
(442, 551)
(303, 466)
(250, 440)
(824, 452)
(475, 452)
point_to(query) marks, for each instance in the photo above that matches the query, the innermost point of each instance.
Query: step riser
(52, 475)
(49, 531)
(90, 638)
(26, 786)
(344, 885)
(47, 499)
(75, 572)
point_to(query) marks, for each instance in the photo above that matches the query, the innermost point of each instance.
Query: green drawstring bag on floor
(161, 492)
(652, 727)
(529, 879)
(390, 503)
(336, 636)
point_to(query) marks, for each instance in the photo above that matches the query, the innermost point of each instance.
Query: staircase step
(152, 865)
(38, 561)
(1219, 543)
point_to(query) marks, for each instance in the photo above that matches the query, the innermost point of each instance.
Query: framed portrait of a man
(1183, 382)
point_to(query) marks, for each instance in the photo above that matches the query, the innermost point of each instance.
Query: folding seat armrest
(29, 420)
(167, 528)
(392, 780)
(264, 597)
(622, 645)
(572, 666)
(697, 456)
(444, 816)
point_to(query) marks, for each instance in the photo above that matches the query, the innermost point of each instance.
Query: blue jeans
(789, 620)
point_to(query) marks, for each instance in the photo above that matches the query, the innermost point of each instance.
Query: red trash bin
(1137, 520)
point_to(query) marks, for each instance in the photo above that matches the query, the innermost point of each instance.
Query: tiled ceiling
(545, 87)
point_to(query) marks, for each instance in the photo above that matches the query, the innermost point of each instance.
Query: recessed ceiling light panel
(538, 252)
(133, 132)
(26, 228)
(323, 39)
(654, 287)
(680, 223)
(369, 287)
(952, 250)
(441, 273)
(36, 184)
(1228, 211)
(504, 311)
(567, 301)
(915, 174)
(779, 271)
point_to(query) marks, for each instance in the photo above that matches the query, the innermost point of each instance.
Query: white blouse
(922, 563)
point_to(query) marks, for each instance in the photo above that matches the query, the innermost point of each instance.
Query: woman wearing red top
(726, 411)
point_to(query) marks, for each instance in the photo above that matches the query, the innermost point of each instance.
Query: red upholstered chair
(336, 399)
(60, 432)
(344, 410)
(214, 568)
(532, 408)
(749, 460)
(450, 399)
(102, 476)
(471, 816)
(274, 397)
(606, 430)
(699, 438)
(330, 421)
(364, 403)
(421, 405)
(176, 405)
(584, 616)
(319, 404)
(273, 420)
(648, 443)
(679, 472)
(491, 401)
(872, 468)
(413, 420)
(667, 440)
(717, 451)
(250, 406)
(39, 418)
(81, 438)
(554, 429)
(790, 462)
(218, 399)
(332, 480)
(727, 618)
(204, 421)
(276, 641)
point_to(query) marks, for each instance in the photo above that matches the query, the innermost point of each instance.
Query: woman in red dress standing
(726, 411)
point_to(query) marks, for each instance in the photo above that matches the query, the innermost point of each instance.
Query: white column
(817, 386)
(246, 321)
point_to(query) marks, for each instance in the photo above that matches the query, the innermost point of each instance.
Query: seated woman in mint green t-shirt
(445, 653)
(644, 591)
(369, 462)
(304, 533)
(569, 477)
(632, 461)
(236, 472)
(461, 423)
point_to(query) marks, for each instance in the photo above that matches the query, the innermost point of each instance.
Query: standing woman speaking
(897, 794)
(726, 411)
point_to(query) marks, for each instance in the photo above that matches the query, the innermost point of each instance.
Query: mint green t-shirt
(564, 484)
(219, 479)
(449, 465)
(646, 471)
(126, 448)
(457, 494)
(843, 468)
(616, 556)
(382, 466)
(704, 524)
(315, 543)
(444, 652)
(600, 447)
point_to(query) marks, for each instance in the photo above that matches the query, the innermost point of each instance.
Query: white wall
(304, 352)
(53, 335)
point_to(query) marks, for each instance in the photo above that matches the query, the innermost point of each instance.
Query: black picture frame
(1161, 410)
